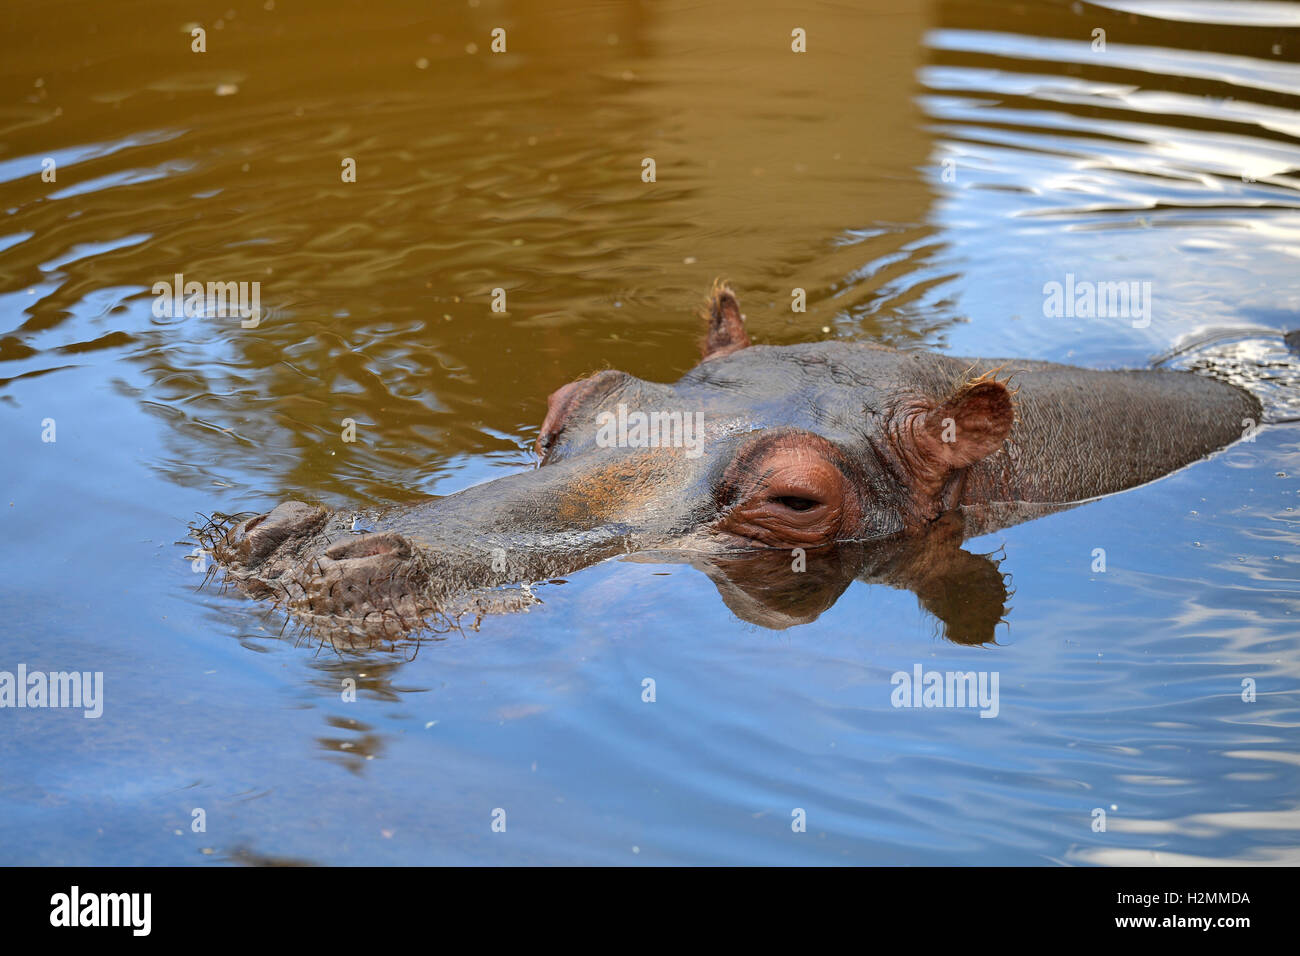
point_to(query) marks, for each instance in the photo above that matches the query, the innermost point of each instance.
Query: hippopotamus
(783, 472)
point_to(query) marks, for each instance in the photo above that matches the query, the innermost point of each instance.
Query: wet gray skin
(877, 463)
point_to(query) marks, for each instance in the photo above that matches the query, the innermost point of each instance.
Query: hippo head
(762, 464)
(789, 447)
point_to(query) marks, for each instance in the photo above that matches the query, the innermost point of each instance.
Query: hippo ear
(965, 428)
(725, 331)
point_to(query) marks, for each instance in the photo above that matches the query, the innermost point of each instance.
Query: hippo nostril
(367, 546)
(253, 541)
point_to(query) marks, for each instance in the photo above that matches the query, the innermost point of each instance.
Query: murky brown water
(921, 171)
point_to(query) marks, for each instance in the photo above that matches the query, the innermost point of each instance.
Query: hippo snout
(368, 576)
(250, 542)
(310, 561)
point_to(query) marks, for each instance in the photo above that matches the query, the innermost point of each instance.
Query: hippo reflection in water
(874, 463)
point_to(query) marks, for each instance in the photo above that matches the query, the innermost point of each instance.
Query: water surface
(921, 171)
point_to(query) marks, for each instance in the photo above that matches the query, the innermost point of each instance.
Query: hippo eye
(787, 489)
(795, 503)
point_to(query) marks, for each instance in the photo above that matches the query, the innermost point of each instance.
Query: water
(922, 172)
